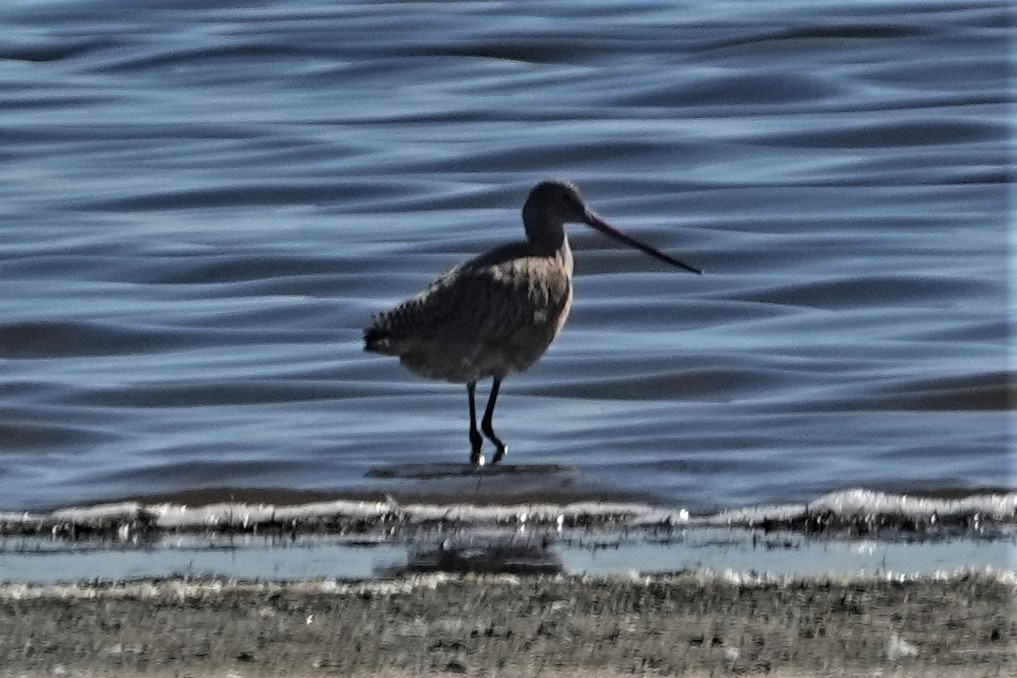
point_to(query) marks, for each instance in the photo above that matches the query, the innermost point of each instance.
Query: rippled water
(202, 204)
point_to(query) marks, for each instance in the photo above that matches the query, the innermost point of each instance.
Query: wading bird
(496, 314)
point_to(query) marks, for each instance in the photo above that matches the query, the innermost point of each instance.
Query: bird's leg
(476, 441)
(486, 424)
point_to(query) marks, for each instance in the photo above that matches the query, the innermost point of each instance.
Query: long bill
(599, 224)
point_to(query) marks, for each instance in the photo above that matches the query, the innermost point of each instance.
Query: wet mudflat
(550, 626)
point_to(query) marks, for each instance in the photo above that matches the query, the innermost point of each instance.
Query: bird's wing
(471, 300)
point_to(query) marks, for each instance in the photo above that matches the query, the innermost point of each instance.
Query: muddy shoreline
(684, 624)
(848, 513)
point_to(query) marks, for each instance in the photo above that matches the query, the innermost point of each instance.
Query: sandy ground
(686, 625)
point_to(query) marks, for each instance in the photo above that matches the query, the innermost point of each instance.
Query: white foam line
(867, 504)
(187, 589)
(95, 513)
(238, 515)
(847, 504)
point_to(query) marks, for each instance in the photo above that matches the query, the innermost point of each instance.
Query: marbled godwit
(496, 314)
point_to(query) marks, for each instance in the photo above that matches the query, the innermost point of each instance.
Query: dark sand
(686, 625)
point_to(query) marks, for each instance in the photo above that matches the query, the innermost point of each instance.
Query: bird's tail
(376, 340)
(389, 331)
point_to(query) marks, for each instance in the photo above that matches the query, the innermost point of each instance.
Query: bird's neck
(565, 253)
(549, 247)
(543, 230)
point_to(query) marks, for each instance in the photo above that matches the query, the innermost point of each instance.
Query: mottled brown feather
(492, 316)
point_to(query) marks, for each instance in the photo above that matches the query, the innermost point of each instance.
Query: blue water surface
(202, 204)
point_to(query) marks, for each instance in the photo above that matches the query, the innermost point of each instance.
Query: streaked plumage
(492, 316)
(496, 314)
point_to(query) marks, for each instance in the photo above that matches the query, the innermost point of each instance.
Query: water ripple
(202, 206)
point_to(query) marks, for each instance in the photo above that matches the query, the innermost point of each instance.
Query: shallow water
(39, 561)
(202, 207)
(844, 533)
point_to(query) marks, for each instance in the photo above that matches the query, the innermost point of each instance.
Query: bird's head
(552, 204)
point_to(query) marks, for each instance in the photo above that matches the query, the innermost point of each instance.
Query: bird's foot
(476, 443)
(502, 449)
